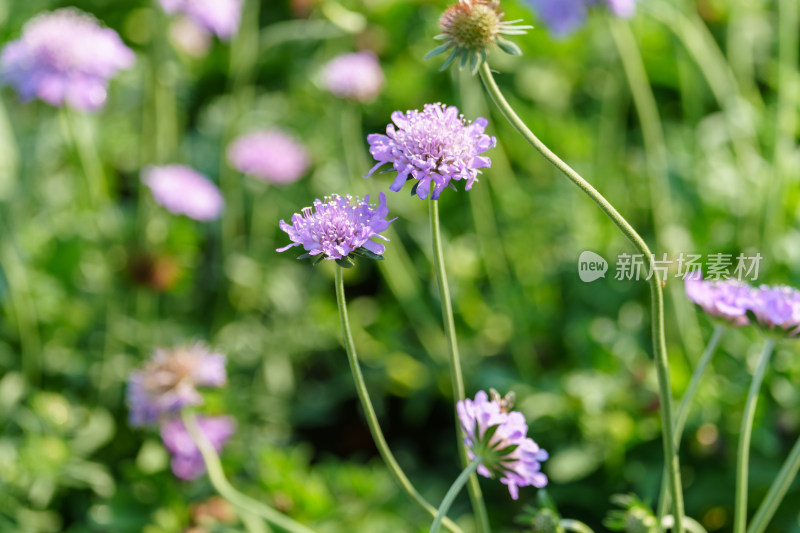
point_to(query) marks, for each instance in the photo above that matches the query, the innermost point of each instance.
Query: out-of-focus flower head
(189, 37)
(338, 227)
(357, 76)
(777, 307)
(563, 17)
(169, 381)
(726, 299)
(184, 191)
(187, 461)
(469, 28)
(64, 57)
(220, 17)
(269, 155)
(498, 436)
(434, 147)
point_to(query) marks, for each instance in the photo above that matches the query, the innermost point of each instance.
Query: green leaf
(439, 50)
(508, 47)
(345, 262)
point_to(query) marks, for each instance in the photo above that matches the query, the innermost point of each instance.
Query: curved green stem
(226, 490)
(743, 453)
(657, 296)
(692, 525)
(369, 410)
(574, 525)
(455, 488)
(456, 376)
(777, 491)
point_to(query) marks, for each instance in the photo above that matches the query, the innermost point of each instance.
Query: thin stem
(777, 491)
(226, 490)
(456, 376)
(84, 147)
(369, 410)
(692, 525)
(455, 488)
(657, 296)
(574, 525)
(743, 453)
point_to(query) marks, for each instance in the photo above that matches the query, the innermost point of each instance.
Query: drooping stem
(369, 410)
(657, 296)
(777, 491)
(455, 488)
(457, 378)
(226, 490)
(743, 453)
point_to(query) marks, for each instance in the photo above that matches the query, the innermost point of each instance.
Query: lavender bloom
(270, 156)
(168, 382)
(355, 76)
(184, 191)
(187, 461)
(777, 307)
(64, 57)
(726, 299)
(338, 227)
(434, 146)
(220, 17)
(497, 435)
(565, 16)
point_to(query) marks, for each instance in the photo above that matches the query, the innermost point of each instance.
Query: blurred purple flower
(338, 226)
(184, 191)
(498, 436)
(777, 307)
(269, 155)
(565, 16)
(187, 461)
(168, 382)
(356, 76)
(434, 146)
(64, 57)
(726, 299)
(220, 17)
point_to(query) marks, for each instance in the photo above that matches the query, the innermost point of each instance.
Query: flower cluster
(187, 461)
(64, 57)
(433, 146)
(356, 76)
(220, 17)
(338, 227)
(269, 155)
(498, 436)
(565, 16)
(184, 191)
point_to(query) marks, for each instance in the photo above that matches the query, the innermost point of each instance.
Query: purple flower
(565, 16)
(338, 226)
(777, 307)
(168, 382)
(184, 191)
(64, 57)
(434, 147)
(269, 155)
(220, 17)
(726, 299)
(187, 461)
(355, 76)
(498, 436)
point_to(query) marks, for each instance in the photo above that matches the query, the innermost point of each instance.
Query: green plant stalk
(692, 525)
(226, 490)
(369, 410)
(87, 155)
(455, 488)
(574, 525)
(778, 489)
(743, 453)
(456, 376)
(657, 296)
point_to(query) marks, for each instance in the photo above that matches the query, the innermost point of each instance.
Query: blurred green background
(87, 291)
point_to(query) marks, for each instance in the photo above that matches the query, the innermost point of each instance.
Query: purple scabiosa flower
(184, 191)
(220, 17)
(338, 227)
(726, 299)
(187, 461)
(434, 147)
(64, 57)
(498, 436)
(269, 155)
(563, 17)
(169, 381)
(777, 308)
(356, 76)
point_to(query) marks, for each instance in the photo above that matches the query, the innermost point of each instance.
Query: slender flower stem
(85, 147)
(657, 296)
(574, 525)
(226, 490)
(456, 376)
(777, 491)
(692, 525)
(455, 488)
(743, 454)
(369, 410)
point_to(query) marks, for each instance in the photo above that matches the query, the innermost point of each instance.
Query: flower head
(356, 76)
(565, 16)
(338, 227)
(269, 155)
(64, 57)
(184, 191)
(470, 27)
(187, 461)
(498, 436)
(169, 381)
(777, 308)
(434, 147)
(726, 299)
(220, 17)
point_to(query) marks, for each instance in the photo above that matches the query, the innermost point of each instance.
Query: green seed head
(471, 24)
